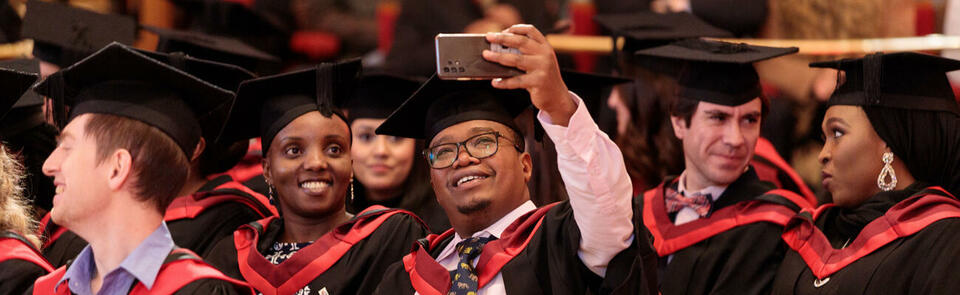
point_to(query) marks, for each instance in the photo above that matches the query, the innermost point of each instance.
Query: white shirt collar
(496, 229)
(713, 191)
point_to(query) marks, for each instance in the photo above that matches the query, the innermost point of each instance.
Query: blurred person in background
(20, 260)
(389, 170)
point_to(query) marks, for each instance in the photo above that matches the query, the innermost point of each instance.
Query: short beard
(473, 207)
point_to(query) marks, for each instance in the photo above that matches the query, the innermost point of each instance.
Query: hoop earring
(887, 172)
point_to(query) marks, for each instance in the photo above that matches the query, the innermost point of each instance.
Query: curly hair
(15, 213)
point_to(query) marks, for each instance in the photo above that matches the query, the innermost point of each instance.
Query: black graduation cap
(215, 48)
(717, 72)
(265, 105)
(905, 80)
(647, 29)
(378, 95)
(15, 83)
(226, 76)
(119, 80)
(439, 104)
(63, 34)
(24, 66)
(27, 109)
(217, 156)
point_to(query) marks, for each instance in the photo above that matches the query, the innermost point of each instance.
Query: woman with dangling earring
(389, 170)
(891, 162)
(315, 246)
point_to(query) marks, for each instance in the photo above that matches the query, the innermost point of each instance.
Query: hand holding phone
(541, 72)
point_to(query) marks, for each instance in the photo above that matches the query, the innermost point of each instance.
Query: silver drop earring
(887, 172)
(351, 191)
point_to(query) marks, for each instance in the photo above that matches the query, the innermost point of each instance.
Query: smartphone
(459, 57)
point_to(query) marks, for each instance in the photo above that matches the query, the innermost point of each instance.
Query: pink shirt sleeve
(596, 180)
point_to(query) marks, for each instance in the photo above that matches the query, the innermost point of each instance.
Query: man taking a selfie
(501, 242)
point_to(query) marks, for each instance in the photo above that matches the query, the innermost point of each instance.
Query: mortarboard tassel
(873, 77)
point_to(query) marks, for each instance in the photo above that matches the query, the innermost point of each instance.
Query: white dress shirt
(599, 188)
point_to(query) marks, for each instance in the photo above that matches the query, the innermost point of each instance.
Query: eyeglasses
(479, 146)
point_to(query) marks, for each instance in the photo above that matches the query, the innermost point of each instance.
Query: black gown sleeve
(17, 276)
(223, 257)
(634, 270)
(939, 264)
(203, 232)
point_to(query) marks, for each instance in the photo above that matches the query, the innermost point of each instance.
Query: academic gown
(350, 259)
(20, 264)
(736, 249)
(195, 221)
(181, 267)
(915, 235)
(536, 254)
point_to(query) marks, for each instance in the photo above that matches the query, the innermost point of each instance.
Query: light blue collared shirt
(142, 264)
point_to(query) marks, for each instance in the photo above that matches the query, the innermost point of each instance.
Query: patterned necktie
(464, 280)
(698, 202)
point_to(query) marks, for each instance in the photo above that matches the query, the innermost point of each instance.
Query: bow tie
(698, 202)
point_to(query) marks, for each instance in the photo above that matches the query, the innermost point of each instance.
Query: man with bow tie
(716, 228)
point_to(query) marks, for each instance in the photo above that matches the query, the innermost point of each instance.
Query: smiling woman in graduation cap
(891, 161)
(315, 246)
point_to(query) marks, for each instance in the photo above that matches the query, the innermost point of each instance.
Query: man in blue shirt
(123, 154)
